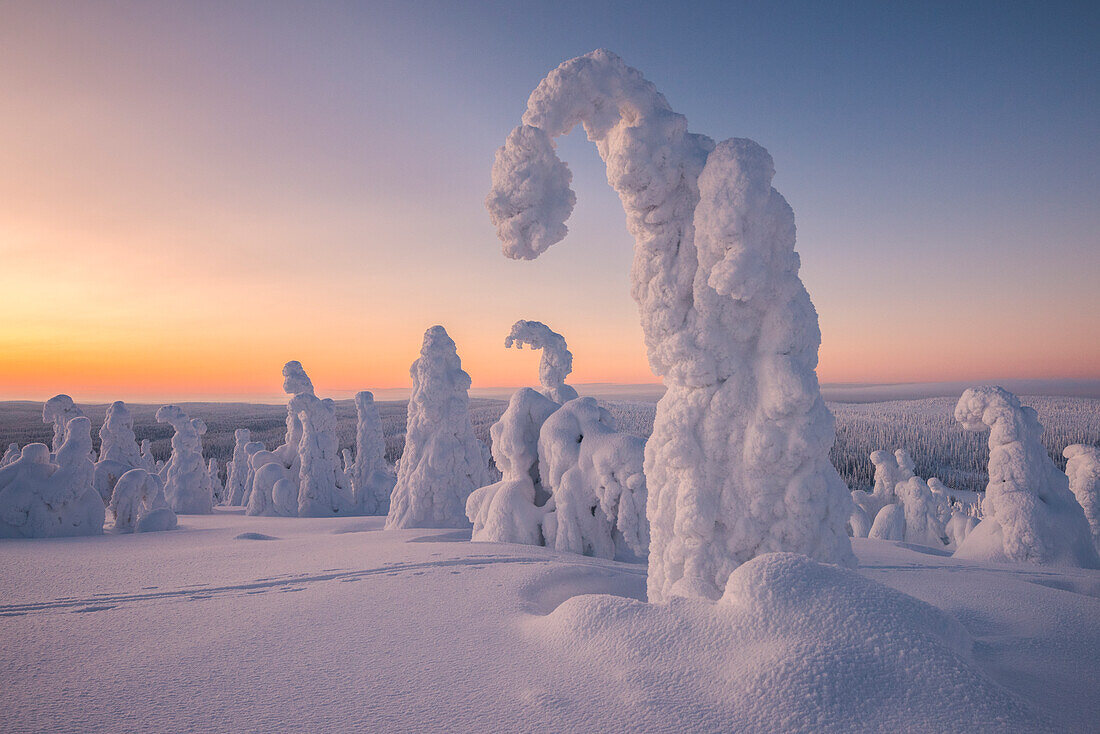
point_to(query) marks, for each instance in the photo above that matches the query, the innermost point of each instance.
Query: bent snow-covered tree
(1028, 513)
(556, 362)
(58, 411)
(118, 449)
(737, 464)
(443, 461)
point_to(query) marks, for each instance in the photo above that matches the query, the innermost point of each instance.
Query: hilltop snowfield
(261, 624)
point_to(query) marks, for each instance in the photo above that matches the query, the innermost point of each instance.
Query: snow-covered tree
(1028, 513)
(10, 455)
(556, 362)
(186, 482)
(512, 510)
(1083, 470)
(371, 478)
(443, 462)
(58, 411)
(236, 471)
(44, 495)
(217, 488)
(118, 449)
(320, 474)
(737, 464)
(138, 504)
(596, 482)
(250, 450)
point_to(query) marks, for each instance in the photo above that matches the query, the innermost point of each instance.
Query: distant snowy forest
(926, 428)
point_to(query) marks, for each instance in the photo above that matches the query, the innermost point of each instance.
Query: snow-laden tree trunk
(372, 480)
(237, 470)
(737, 464)
(1028, 513)
(443, 462)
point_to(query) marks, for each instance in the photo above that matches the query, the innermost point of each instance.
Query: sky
(192, 194)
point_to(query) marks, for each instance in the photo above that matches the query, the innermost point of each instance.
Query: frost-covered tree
(737, 464)
(250, 450)
(443, 462)
(138, 504)
(1083, 470)
(10, 455)
(236, 471)
(186, 482)
(118, 449)
(556, 362)
(512, 510)
(319, 475)
(596, 482)
(44, 495)
(273, 492)
(217, 488)
(58, 411)
(1028, 513)
(371, 479)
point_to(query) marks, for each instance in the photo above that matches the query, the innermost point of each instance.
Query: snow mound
(792, 645)
(254, 536)
(556, 362)
(1029, 513)
(443, 461)
(45, 496)
(737, 464)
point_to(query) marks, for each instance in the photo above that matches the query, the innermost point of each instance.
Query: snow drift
(556, 362)
(1028, 513)
(443, 462)
(44, 495)
(738, 461)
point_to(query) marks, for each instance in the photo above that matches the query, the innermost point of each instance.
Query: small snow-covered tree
(58, 411)
(237, 470)
(512, 510)
(10, 455)
(372, 480)
(1029, 513)
(320, 475)
(737, 464)
(186, 482)
(138, 504)
(1083, 470)
(596, 482)
(556, 362)
(118, 449)
(443, 462)
(44, 495)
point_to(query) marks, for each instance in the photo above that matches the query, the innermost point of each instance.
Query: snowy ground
(263, 624)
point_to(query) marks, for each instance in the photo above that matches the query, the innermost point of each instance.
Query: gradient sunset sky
(191, 194)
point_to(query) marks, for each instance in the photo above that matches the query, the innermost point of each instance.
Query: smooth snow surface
(556, 362)
(1028, 512)
(443, 462)
(238, 623)
(737, 464)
